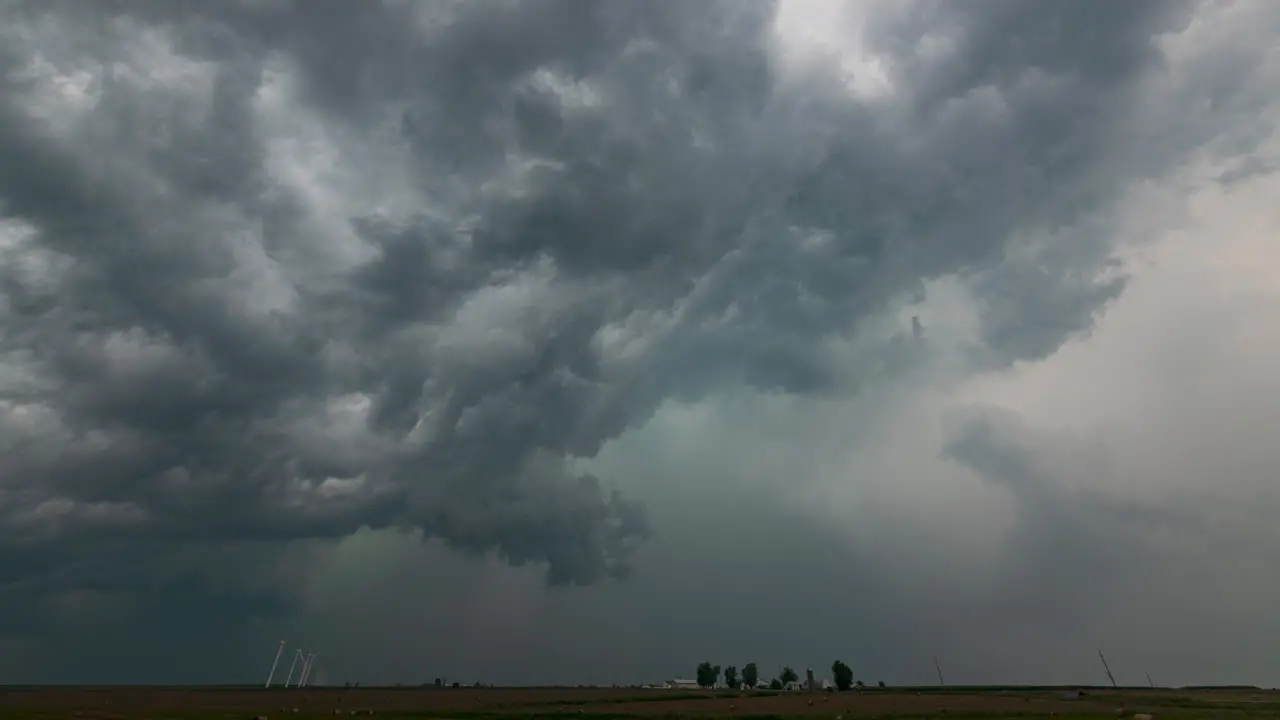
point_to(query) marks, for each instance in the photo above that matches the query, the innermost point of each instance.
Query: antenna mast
(1110, 677)
(938, 667)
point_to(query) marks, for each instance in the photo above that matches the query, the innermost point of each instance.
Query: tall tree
(707, 674)
(750, 675)
(731, 677)
(843, 675)
(788, 675)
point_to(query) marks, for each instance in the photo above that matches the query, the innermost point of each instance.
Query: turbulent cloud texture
(273, 272)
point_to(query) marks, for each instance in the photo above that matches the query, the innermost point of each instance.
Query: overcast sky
(574, 342)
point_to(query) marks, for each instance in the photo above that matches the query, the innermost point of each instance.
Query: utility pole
(1110, 677)
(306, 669)
(272, 674)
(297, 655)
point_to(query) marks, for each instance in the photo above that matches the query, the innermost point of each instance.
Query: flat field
(155, 703)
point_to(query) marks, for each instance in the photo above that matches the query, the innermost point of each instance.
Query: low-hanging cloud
(279, 271)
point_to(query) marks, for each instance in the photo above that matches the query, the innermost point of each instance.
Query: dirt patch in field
(859, 704)
(131, 703)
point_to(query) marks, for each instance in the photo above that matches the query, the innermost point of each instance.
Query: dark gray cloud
(280, 271)
(1093, 553)
(1248, 167)
(1066, 531)
(493, 622)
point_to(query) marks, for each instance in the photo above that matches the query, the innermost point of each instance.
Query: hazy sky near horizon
(562, 342)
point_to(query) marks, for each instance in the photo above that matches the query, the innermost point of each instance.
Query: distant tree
(843, 675)
(707, 674)
(859, 684)
(788, 675)
(775, 684)
(731, 677)
(750, 675)
(881, 683)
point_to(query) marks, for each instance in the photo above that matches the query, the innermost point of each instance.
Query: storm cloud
(273, 273)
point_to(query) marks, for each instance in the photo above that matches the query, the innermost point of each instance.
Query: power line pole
(1110, 677)
(271, 675)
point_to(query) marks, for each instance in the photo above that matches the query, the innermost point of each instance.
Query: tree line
(708, 675)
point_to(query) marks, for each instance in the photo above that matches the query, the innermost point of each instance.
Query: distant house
(683, 684)
(793, 686)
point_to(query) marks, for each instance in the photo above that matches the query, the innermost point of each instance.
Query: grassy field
(141, 703)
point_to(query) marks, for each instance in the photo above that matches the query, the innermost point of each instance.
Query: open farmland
(128, 703)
